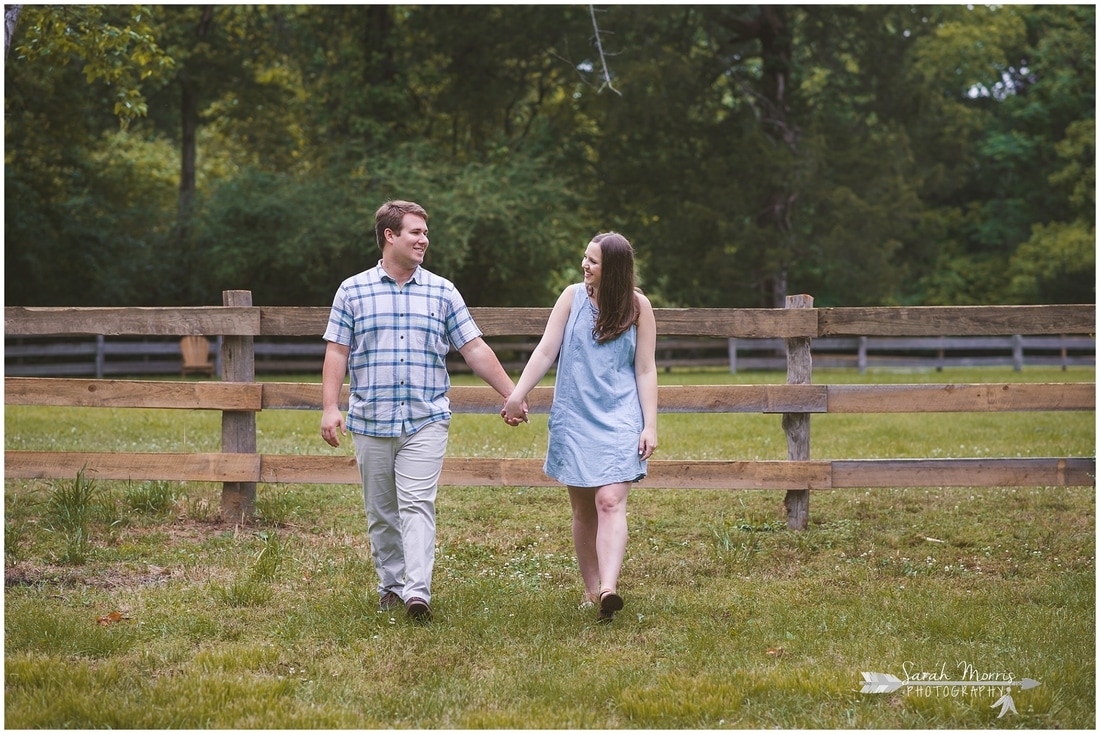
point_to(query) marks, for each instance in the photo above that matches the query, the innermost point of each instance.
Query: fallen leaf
(775, 652)
(111, 618)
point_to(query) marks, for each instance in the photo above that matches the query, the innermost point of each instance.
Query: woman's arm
(542, 358)
(645, 372)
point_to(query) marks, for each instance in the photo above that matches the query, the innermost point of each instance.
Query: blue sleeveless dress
(596, 417)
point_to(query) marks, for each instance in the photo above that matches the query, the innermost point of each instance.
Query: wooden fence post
(238, 364)
(100, 355)
(797, 425)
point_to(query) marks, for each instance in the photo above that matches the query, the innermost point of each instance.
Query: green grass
(731, 620)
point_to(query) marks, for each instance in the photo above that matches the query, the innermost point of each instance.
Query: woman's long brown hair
(615, 297)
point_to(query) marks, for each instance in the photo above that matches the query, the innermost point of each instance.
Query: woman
(603, 422)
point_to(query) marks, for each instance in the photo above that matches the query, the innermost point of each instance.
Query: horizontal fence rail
(954, 398)
(123, 356)
(239, 397)
(458, 471)
(711, 322)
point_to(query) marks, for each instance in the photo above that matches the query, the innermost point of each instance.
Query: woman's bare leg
(585, 525)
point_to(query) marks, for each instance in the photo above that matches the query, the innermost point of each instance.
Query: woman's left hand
(647, 443)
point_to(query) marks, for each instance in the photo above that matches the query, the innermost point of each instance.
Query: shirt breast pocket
(427, 333)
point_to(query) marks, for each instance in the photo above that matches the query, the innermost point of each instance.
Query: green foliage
(291, 242)
(867, 155)
(116, 45)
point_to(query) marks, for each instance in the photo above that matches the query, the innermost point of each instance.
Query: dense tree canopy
(867, 155)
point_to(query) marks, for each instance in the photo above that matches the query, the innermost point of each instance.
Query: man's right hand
(332, 426)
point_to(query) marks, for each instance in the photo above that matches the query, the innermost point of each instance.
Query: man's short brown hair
(391, 215)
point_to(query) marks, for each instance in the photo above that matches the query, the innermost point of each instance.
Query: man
(392, 326)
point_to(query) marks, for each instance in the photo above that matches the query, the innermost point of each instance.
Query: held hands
(514, 411)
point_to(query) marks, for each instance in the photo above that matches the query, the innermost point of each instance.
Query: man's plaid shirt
(398, 340)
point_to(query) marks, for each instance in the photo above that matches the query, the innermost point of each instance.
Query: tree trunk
(189, 123)
(11, 18)
(380, 67)
(769, 27)
(775, 50)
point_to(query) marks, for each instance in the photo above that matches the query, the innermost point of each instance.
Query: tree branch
(603, 61)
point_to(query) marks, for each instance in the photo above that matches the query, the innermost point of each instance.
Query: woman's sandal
(588, 603)
(610, 602)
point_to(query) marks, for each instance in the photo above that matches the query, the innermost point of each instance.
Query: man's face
(408, 248)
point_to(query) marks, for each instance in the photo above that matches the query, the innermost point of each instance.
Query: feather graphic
(880, 683)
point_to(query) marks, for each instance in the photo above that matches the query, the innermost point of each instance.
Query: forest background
(866, 155)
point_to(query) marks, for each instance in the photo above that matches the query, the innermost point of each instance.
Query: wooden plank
(957, 320)
(478, 399)
(662, 474)
(1030, 472)
(486, 400)
(709, 322)
(742, 398)
(75, 368)
(159, 321)
(294, 320)
(297, 396)
(91, 393)
(132, 394)
(457, 471)
(736, 322)
(738, 475)
(963, 398)
(283, 469)
(1060, 342)
(134, 466)
(495, 322)
(71, 349)
(936, 343)
(312, 321)
(477, 472)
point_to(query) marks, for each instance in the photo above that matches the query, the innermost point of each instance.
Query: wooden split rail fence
(239, 397)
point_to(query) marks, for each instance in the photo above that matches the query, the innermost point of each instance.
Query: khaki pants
(400, 482)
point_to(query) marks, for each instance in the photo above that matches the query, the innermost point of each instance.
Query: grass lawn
(129, 605)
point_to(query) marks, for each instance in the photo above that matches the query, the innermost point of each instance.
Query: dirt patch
(27, 573)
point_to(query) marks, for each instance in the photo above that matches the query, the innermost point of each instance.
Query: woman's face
(590, 264)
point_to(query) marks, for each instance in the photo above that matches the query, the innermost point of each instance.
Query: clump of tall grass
(68, 512)
(276, 506)
(152, 497)
(256, 586)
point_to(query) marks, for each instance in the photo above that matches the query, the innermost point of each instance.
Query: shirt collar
(383, 275)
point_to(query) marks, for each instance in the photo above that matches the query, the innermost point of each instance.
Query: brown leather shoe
(418, 610)
(388, 601)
